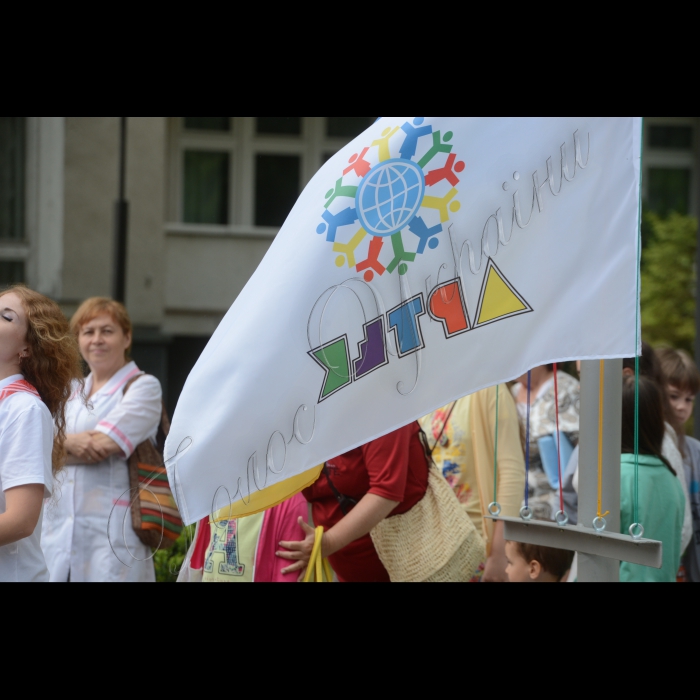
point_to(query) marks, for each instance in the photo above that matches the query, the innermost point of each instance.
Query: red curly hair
(54, 361)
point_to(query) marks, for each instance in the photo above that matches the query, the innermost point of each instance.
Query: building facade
(207, 195)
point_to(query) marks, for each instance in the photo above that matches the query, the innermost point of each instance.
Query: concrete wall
(146, 183)
(90, 191)
(91, 184)
(205, 275)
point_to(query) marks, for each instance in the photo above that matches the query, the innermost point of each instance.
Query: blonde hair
(679, 370)
(53, 363)
(98, 306)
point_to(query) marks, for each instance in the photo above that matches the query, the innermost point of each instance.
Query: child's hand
(299, 552)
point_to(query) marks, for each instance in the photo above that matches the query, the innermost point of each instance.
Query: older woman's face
(103, 344)
(13, 329)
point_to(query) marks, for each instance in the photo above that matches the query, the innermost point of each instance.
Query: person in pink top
(244, 551)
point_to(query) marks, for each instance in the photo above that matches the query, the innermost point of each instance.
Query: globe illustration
(390, 196)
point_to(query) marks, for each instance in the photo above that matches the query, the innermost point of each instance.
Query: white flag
(431, 258)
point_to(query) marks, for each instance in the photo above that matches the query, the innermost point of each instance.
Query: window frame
(662, 158)
(18, 250)
(243, 144)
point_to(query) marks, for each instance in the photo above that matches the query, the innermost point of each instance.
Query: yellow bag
(319, 570)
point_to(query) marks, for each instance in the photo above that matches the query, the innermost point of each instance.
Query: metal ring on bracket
(527, 514)
(495, 510)
(636, 531)
(562, 519)
(600, 525)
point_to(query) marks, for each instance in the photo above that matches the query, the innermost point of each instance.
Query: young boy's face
(682, 402)
(518, 570)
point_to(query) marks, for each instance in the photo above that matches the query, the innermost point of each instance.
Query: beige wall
(205, 275)
(146, 185)
(91, 184)
(90, 191)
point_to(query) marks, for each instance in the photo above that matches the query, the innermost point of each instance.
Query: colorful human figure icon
(340, 190)
(383, 143)
(438, 147)
(347, 250)
(418, 148)
(413, 133)
(335, 221)
(400, 255)
(446, 173)
(372, 264)
(425, 234)
(443, 204)
(359, 164)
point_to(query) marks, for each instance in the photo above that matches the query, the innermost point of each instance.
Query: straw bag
(154, 514)
(435, 542)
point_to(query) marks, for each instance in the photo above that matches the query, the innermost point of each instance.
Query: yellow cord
(328, 571)
(600, 441)
(318, 566)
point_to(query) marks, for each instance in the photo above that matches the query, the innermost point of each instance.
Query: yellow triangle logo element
(499, 299)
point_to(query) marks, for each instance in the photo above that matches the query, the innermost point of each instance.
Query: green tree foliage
(168, 563)
(669, 281)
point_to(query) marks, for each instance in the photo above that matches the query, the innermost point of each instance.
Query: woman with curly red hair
(39, 361)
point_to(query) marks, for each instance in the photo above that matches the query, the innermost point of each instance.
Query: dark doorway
(184, 351)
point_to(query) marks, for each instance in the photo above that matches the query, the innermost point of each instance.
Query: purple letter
(372, 349)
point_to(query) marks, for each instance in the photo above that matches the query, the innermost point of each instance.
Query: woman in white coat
(38, 363)
(87, 535)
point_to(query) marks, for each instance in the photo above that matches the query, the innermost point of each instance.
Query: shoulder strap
(346, 503)
(131, 382)
(444, 428)
(164, 429)
(19, 387)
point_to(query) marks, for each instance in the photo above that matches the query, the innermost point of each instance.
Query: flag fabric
(429, 259)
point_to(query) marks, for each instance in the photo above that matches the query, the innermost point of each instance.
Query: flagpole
(121, 221)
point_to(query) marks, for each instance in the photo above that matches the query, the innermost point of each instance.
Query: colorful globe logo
(394, 200)
(390, 196)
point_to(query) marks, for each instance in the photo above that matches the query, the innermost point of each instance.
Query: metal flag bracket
(583, 540)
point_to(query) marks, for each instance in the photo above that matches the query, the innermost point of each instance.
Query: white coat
(80, 541)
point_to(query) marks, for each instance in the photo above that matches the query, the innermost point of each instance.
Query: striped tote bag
(154, 514)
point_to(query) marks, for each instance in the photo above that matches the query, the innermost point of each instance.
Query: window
(290, 126)
(277, 187)
(11, 272)
(206, 187)
(348, 127)
(208, 123)
(671, 137)
(243, 175)
(12, 196)
(669, 190)
(12, 159)
(670, 159)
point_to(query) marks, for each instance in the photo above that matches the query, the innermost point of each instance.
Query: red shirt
(393, 467)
